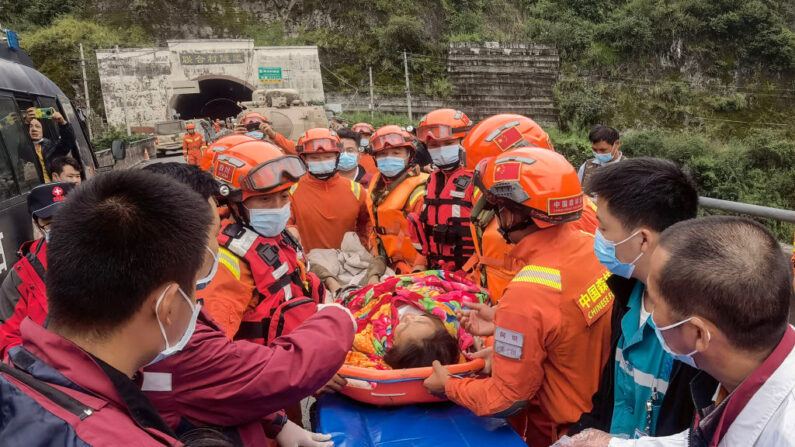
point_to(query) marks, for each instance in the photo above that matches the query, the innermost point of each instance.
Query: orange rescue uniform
(324, 210)
(192, 148)
(495, 262)
(552, 338)
(368, 163)
(231, 292)
(288, 146)
(388, 206)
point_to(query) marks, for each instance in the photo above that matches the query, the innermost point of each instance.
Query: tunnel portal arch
(217, 98)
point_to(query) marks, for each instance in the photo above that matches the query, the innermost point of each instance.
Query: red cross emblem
(57, 191)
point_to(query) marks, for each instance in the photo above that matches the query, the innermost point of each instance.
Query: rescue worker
(219, 146)
(441, 230)
(265, 291)
(605, 145)
(113, 307)
(552, 326)
(324, 205)
(257, 122)
(494, 265)
(23, 293)
(352, 157)
(365, 132)
(223, 383)
(192, 144)
(394, 192)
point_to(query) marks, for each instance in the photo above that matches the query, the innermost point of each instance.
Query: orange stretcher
(397, 386)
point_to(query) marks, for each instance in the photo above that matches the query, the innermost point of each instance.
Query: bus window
(10, 127)
(83, 152)
(20, 148)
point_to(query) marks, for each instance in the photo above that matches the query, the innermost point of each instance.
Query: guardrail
(748, 209)
(126, 155)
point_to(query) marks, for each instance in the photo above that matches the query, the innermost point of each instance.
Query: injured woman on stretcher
(409, 321)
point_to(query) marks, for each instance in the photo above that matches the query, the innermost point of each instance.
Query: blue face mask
(687, 359)
(606, 254)
(322, 167)
(348, 161)
(269, 222)
(204, 282)
(445, 155)
(256, 134)
(47, 236)
(390, 166)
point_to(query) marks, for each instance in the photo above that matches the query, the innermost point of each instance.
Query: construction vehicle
(288, 114)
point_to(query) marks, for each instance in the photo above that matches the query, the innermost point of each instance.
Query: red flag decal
(507, 172)
(508, 138)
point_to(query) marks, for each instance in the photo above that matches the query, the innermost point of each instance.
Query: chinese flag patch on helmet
(508, 138)
(507, 172)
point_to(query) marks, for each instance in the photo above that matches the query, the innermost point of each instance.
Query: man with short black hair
(65, 169)
(254, 380)
(349, 164)
(124, 258)
(605, 145)
(643, 391)
(720, 290)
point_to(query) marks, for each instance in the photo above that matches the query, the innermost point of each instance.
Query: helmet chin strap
(324, 177)
(524, 223)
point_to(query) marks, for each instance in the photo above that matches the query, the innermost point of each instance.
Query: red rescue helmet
(254, 117)
(363, 128)
(443, 124)
(536, 182)
(190, 126)
(391, 136)
(499, 133)
(317, 140)
(255, 168)
(218, 146)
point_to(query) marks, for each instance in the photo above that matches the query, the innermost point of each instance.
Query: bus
(22, 87)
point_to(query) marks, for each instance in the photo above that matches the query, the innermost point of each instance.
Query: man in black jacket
(46, 150)
(643, 390)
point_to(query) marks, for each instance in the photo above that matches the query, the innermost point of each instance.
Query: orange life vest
(390, 232)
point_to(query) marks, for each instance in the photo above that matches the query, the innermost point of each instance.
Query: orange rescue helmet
(318, 140)
(220, 145)
(496, 134)
(254, 117)
(536, 182)
(363, 128)
(443, 124)
(391, 136)
(190, 126)
(255, 168)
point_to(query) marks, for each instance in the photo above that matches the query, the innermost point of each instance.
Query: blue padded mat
(353, 424)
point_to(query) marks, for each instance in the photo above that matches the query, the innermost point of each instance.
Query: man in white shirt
(719, 292)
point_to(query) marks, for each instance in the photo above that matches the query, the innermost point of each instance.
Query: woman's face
(415, 328)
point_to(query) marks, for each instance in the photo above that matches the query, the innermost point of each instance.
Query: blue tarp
(354, 424)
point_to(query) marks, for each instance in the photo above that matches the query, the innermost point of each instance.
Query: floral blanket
(436, 292)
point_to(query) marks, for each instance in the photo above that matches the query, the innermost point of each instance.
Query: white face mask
(183, 341)
(687, 359)
(445, 155)
(204, 282)
(269, 222)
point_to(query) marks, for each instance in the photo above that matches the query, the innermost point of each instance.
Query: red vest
(286, 296)
(444, 236)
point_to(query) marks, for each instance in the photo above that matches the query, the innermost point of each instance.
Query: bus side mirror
(119, 149)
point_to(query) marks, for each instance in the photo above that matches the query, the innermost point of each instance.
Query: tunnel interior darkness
(217, 98)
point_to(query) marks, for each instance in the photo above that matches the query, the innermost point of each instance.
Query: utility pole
(123, 93)
(85, 91)
(372, 105)
(408, 87)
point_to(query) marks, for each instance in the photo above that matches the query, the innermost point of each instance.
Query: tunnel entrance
(217, 98)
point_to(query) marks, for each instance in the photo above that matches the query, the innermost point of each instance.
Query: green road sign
(270, 74)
